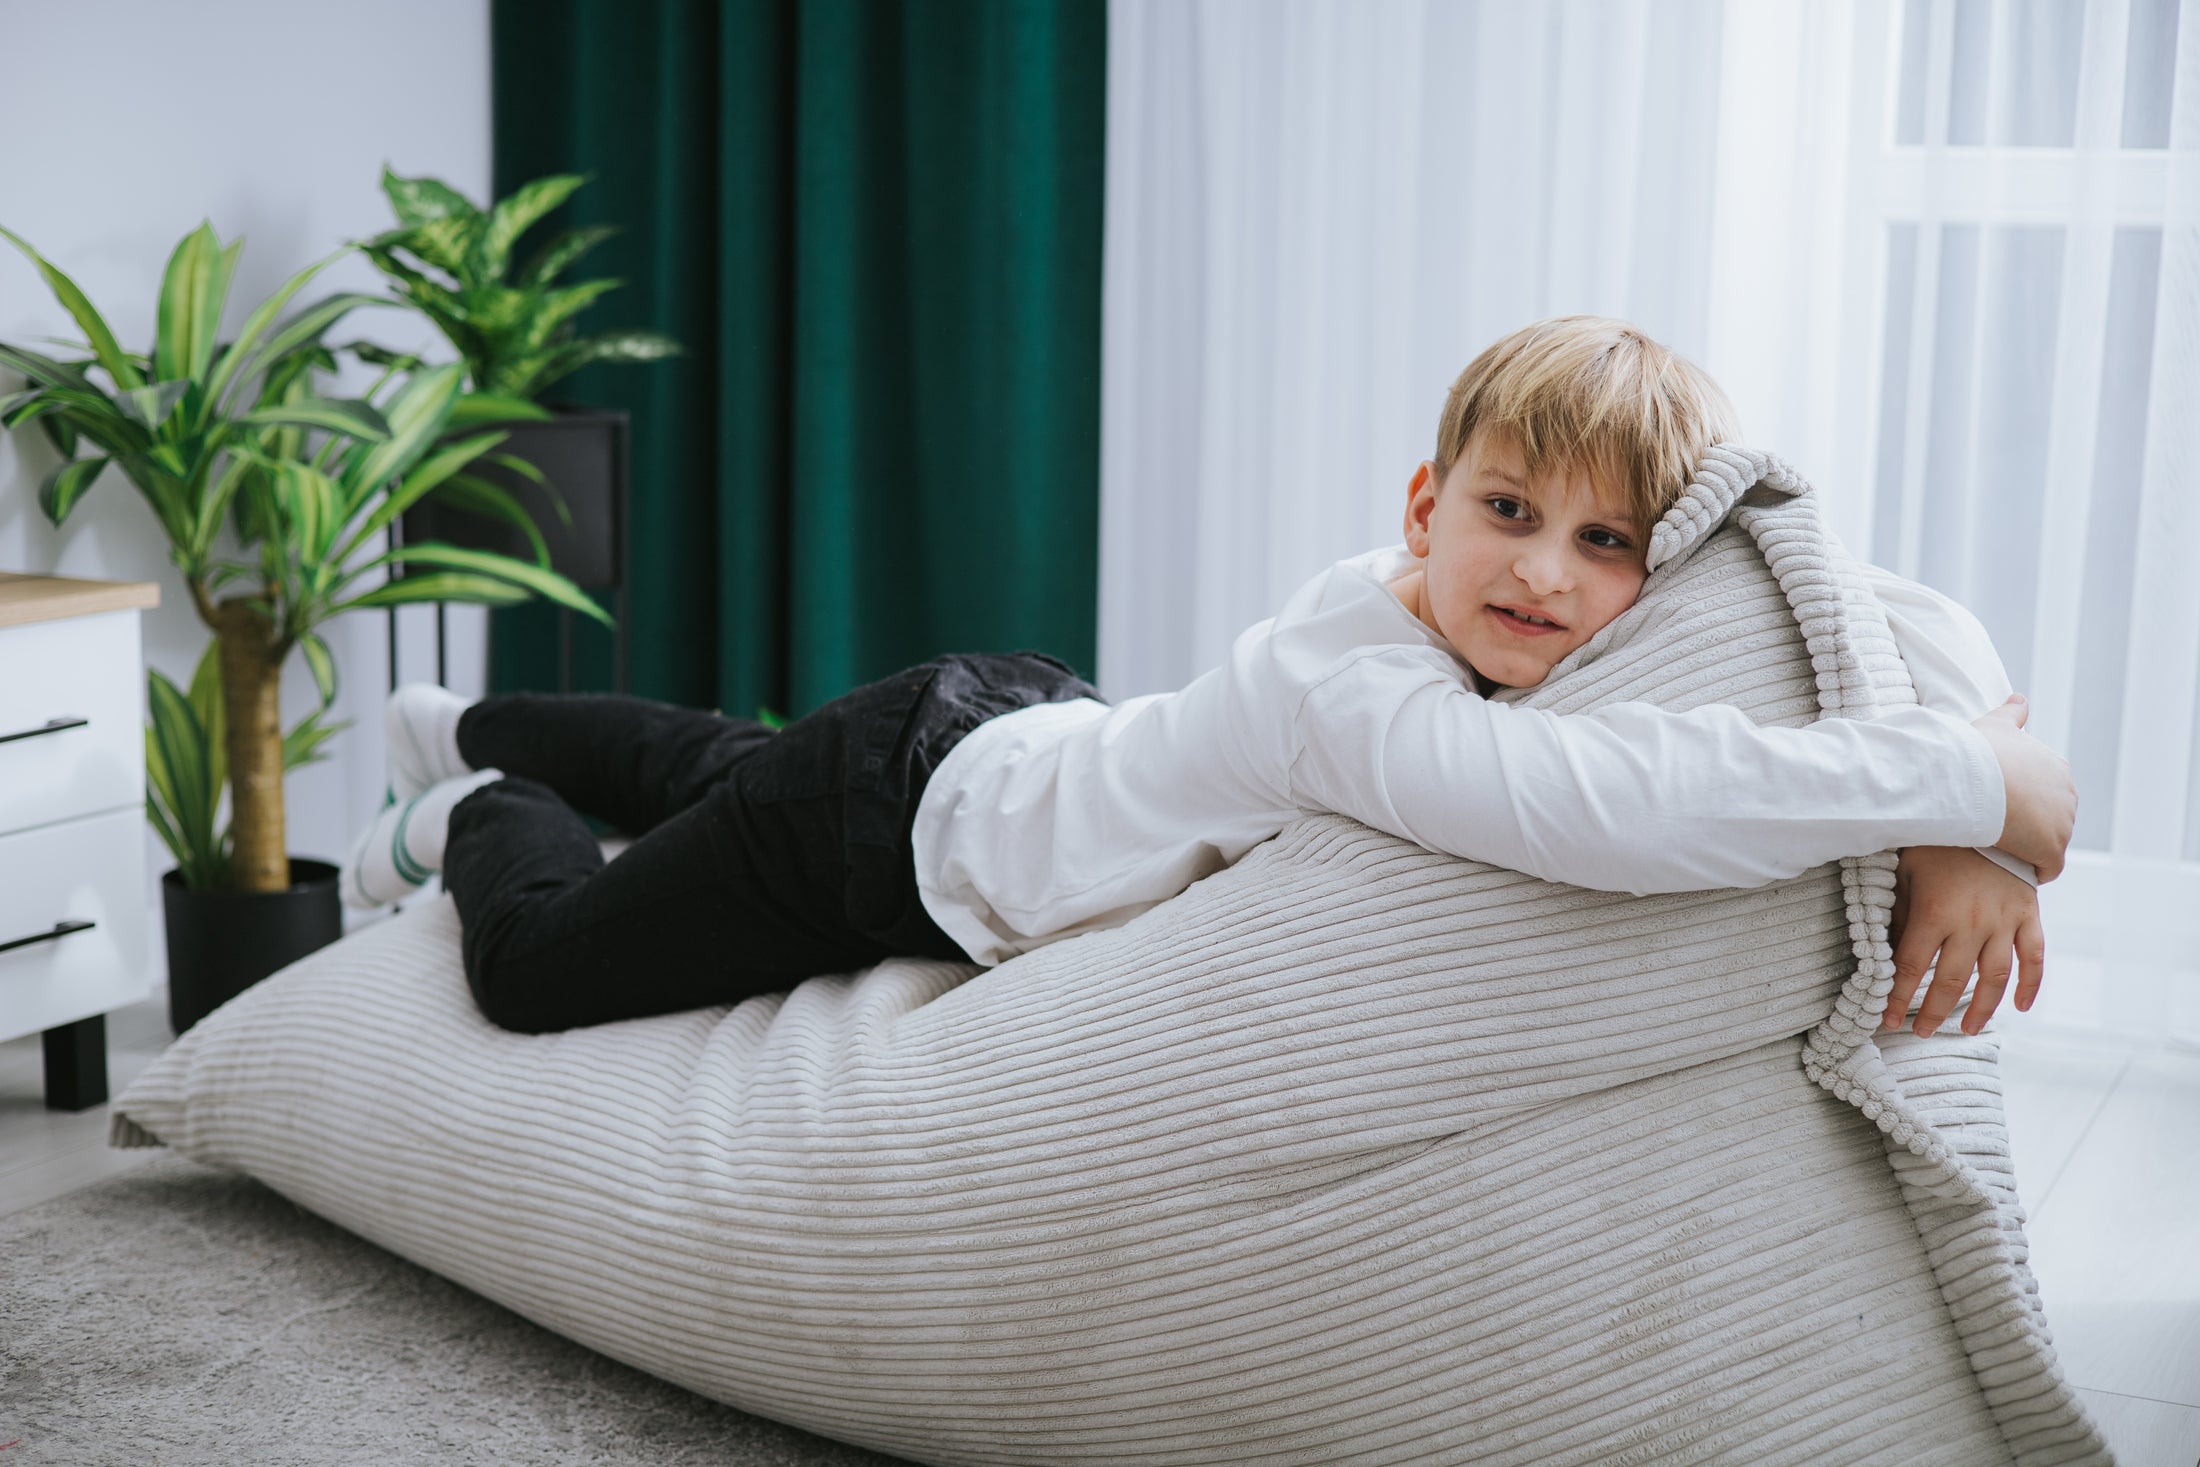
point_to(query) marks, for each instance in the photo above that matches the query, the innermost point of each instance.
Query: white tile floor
(44, 1153)
(2107, 1140)
(2107, 1143)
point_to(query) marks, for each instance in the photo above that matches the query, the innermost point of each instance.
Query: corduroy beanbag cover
(1351, 1153)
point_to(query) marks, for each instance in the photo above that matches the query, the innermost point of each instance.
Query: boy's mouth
(1524, 623)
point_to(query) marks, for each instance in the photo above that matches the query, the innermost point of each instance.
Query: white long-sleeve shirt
(1069, 817)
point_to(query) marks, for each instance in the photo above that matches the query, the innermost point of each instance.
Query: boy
(981, 806)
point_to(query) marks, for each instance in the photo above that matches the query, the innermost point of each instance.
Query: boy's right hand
(2041, 803)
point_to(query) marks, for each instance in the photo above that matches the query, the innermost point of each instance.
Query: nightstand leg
(76, 1064)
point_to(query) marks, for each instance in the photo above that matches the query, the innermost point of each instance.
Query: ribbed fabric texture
(1351, 1153)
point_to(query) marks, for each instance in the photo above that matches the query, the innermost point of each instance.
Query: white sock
(403, 846)
(421, 722)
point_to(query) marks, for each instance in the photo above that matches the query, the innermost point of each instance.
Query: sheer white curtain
(1317, 212)
(1944, 254)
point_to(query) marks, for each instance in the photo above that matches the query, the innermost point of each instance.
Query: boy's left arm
(1972, 909)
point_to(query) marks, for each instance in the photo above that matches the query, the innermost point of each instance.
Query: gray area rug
(181, 1315)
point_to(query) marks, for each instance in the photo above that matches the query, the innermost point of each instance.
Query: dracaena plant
(187, 767)
(232, 434)
(514, 328)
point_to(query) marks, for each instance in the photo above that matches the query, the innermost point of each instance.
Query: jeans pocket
(884, 736)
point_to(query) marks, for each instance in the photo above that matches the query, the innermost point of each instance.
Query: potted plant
(213, 434)
(514, 327)
(221, 941)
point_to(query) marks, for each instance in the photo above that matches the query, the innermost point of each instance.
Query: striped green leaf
(351, 417)
(151, 406)
(417, 416)
(18, 408)
(441, 586)
(554, 308)
(102, 417)
(42, 370)
(310, 323)
(513, 464)
(62, 488)
(88, 320)
(518, 212)
(424, 200)
(303, 745)
(477, 408)
(561, 253)
(312, 508)
(229, 365)
(537, 372)
(382, 356)
(416, 485)
(178, 749)
(60, 432)
(206, 701)
(544, 582)
(630, 346)
(157, 816)
(321, 663)
(192, 293)
(160, 782)
(477, 495)
(447, 244)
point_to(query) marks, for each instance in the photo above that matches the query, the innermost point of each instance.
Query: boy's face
(1517, 575)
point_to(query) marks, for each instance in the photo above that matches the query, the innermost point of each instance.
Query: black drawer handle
(51, 725)
(60, 929)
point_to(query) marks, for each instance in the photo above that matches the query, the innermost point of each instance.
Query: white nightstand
(75, 937)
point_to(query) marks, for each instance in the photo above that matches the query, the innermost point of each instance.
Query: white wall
(129, 121)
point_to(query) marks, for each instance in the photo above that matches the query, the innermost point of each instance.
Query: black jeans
(761, 858)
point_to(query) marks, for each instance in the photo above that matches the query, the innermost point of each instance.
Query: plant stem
(251, 652)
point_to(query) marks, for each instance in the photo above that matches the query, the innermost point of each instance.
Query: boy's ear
(1420, 501)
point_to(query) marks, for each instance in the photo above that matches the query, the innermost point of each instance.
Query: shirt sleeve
(1632, 798)
(1952, 664)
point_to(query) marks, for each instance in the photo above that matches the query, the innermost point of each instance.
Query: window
(2025, 183)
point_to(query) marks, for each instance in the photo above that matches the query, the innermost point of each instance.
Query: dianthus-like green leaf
(424, 200)
(516, 213)
(561, 253)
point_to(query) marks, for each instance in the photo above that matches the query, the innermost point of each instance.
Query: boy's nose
(1542, 569)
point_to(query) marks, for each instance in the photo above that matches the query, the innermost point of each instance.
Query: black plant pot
(582, 453)
(222, 942)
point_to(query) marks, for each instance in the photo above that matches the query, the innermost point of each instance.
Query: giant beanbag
(1352, 1153)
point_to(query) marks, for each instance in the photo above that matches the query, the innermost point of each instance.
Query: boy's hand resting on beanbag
(1953, 901)
(2040, 802)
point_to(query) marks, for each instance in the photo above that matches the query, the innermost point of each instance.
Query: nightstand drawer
(72, 732)
(81, 871)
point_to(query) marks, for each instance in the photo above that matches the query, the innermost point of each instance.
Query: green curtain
(875, 226)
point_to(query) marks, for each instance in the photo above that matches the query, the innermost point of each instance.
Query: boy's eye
(1508, 509)
(1604, 539)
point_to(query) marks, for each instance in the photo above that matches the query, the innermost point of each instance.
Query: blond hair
(1593, 392)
